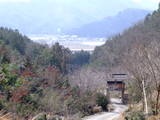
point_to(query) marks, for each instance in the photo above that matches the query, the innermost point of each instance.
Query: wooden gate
(117, 83)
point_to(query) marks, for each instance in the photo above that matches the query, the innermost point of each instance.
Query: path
(119, 108)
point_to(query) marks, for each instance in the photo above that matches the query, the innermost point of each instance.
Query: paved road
(119, 108)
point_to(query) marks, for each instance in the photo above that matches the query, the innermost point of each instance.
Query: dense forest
(34, 77)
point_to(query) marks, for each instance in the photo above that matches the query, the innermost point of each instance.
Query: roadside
(119, 108)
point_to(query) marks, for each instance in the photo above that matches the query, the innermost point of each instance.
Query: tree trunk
(143, 106)
(145, 97)
(157, 100)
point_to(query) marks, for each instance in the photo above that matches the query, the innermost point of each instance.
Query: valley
(79, 60)
(73, 42)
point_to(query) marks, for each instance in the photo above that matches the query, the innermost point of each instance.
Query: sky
(99, 8)
(148, 4)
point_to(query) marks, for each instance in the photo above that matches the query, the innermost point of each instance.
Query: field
(74, 43)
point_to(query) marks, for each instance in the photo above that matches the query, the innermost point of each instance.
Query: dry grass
(122, 117)
(5, 116)
(154, 117)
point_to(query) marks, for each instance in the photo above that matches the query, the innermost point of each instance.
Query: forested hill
(15, 47)
(31, 74)
(113, 51)
(14, 39)
(110, 26)
(136, 52)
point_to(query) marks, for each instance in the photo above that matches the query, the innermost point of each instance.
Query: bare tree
(88, 78)
(153, 61)
(134, 63)
(144, 64)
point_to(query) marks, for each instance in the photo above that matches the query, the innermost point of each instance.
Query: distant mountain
(41, 17)
(111, 25)
(56, 16)
(117, 48)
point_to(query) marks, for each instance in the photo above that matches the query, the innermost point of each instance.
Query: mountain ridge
(53, 17)
(112, 25)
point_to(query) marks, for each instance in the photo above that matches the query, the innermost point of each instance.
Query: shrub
(40, 116)
(18, 94)
(52, 101)
(102, 100)
(136, 115)
(1, 104)
(29, 105)
(26, 110)
(80, 102)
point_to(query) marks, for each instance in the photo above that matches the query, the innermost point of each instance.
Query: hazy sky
(99, 8)
(108, 7)
(148, 4)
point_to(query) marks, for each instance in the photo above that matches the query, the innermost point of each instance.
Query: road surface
(119, 108)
